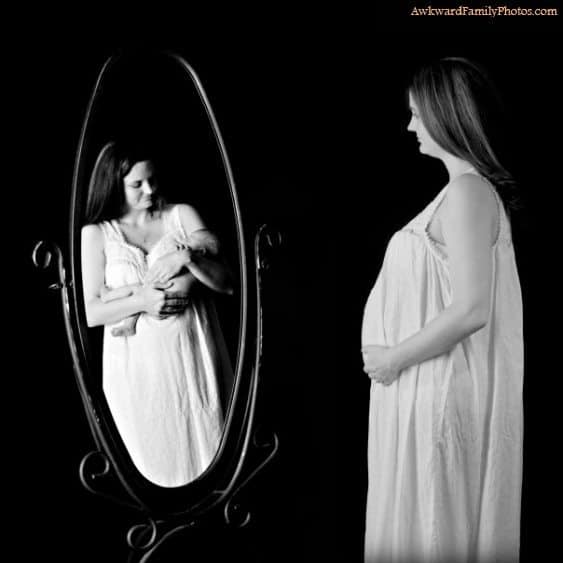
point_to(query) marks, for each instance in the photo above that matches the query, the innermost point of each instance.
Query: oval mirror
(165, 341)
(158, 272)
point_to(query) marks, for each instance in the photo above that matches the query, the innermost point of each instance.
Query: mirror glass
(160, 263)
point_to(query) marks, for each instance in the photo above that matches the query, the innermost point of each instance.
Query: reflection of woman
(442, 343)
(162, 379)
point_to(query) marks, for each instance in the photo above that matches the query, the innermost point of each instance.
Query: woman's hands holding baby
(159, 277)
(168, 266)
(156, 302)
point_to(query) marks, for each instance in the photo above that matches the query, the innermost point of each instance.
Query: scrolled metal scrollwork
(135, 535)
(143, 552)
(268, 240)
(88, 473)
(235, 513)
(42, 257)
(96, 475)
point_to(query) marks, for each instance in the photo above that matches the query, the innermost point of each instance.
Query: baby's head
(201, 240)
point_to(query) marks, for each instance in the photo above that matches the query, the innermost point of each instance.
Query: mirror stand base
(144, 540)
(148, 539)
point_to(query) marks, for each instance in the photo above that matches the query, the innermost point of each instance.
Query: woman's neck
(456, 166)
(138, 218)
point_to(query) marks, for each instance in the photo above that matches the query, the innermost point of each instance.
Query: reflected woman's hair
(105, 191)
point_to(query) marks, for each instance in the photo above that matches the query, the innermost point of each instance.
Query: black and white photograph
(290, 286)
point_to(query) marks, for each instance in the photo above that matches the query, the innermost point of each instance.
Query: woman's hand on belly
(378, 364)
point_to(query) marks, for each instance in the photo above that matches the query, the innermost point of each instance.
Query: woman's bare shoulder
(189, 217)
(92, 230)
(183, 208)
(471, 193)
(470, 206)
(92, 234)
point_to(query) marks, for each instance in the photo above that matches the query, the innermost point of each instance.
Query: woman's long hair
(462, 111)
(106, 194)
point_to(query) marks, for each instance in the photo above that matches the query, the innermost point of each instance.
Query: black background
(313, 117)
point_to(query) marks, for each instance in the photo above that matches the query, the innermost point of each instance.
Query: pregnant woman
(442, 343)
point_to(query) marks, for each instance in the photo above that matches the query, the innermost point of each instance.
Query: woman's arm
(181, 284)
(203, 260)
(107, 294)
(208, 266)
(146, 299)
(469, 226)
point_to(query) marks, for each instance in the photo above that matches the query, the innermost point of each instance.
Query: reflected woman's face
(140, 186)
(427, 145)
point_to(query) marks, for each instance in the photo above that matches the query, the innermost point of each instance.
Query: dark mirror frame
(108, 469)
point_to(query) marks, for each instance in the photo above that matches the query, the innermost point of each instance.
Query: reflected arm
(202, 257)
(93, 264)
(107, 294)
(181, 284)
(206, 262)
(207, 265)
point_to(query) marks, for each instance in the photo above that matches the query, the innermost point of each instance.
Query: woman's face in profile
(427, 145)
(140, 186)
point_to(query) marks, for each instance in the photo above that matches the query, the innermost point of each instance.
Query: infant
(199, 242)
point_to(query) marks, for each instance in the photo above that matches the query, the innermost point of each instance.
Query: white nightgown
(162, 384)
(445, 439)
